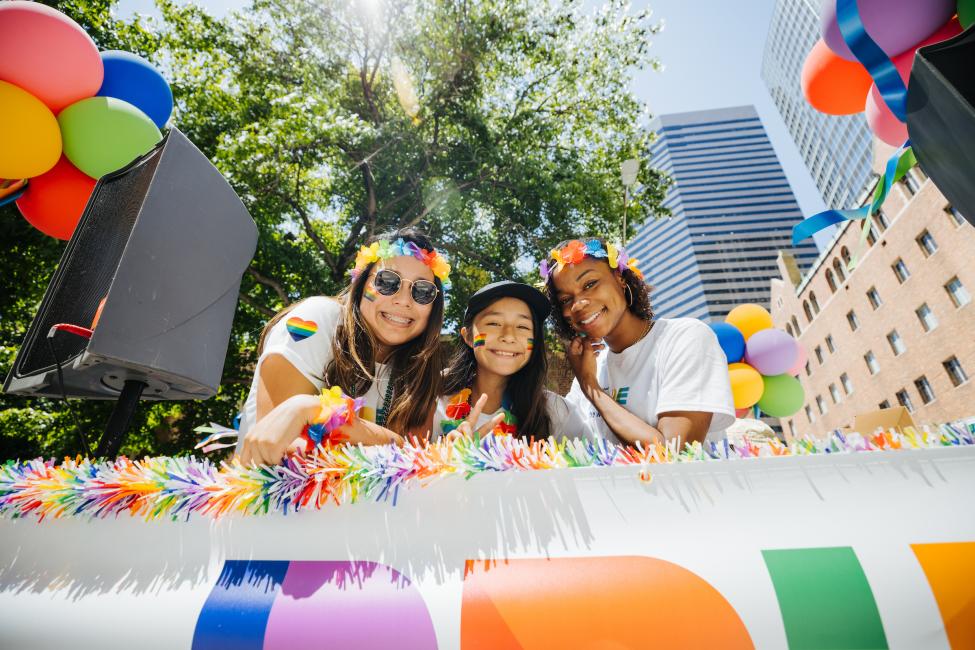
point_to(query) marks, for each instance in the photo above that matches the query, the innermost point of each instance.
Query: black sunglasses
(388, 283)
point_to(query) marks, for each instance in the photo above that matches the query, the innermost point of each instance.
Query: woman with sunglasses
(661, 379)
(501, 360)
(379, 340)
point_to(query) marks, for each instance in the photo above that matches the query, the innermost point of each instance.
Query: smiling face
(502, 335)
(590, 297)
(394, 320)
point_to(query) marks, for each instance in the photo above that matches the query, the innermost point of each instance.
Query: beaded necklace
(383, 412)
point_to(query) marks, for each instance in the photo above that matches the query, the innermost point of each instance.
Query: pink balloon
(771, 351)
(894, 25)
(740, 413)
(881, 120)
(47, 54)
(801, 359)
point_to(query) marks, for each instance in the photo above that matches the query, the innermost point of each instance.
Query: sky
(712, 56)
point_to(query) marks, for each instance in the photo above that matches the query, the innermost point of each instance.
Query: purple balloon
(771, 352)
(894, 25)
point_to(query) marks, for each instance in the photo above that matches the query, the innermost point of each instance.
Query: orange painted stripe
(950, 570)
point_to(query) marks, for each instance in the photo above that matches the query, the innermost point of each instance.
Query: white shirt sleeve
(566, 418)
(304, 337)
(695, 377)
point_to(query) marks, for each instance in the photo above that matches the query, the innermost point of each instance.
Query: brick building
(899, 328)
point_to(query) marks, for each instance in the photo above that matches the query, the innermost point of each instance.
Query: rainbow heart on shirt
(301, 329)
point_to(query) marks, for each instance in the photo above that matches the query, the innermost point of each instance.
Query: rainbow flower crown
(385, 249)
(577, 250)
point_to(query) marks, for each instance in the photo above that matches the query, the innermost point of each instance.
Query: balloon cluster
(73, 114)
(834, 82)
(762, 362)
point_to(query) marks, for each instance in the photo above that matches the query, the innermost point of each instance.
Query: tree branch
(268, 282)
(247, 300)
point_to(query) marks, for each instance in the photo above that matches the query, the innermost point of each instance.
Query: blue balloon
(731, 341)
(131, 78)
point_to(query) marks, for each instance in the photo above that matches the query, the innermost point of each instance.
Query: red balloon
(54, 201)
(833, 85)
(881, 120)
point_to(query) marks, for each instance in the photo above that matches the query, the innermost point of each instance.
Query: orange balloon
(833, 85)
(54, 201)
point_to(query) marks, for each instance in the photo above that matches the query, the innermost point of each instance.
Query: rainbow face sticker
(480, 340)
(369, 293)
(530, 346)
(300, 329)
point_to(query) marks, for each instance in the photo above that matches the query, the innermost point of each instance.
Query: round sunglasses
(388, 283)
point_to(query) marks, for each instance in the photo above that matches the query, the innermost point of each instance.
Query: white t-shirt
(677, 366)
(304, 338)
(565, 419)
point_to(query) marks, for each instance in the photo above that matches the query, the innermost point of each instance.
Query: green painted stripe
(825, 599)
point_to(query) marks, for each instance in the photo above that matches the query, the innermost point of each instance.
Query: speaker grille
(86, 272)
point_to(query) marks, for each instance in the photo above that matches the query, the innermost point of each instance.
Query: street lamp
(628, 171)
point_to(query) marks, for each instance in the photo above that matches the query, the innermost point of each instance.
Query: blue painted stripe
(235, 614)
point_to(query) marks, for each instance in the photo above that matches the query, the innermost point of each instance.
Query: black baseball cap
(535, 299)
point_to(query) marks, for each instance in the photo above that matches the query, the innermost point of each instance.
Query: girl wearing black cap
(501, 359)
(379, 341)
(661, 379)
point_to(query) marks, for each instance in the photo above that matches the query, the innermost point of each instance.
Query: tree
(496, 126)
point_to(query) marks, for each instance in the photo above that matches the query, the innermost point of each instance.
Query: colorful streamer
(153, 488)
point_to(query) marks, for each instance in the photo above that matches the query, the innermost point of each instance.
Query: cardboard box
(896, 417)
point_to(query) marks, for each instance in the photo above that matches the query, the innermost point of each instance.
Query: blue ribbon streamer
(874, 59)
(897, 166)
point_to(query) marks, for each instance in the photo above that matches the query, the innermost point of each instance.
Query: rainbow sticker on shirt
(479, 340)
(301, 329)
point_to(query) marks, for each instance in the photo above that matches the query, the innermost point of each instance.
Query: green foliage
(497, 126)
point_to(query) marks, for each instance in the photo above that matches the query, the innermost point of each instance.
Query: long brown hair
(415, 366)
(525, 388)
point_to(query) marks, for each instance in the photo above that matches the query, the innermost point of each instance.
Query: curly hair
(638, 302)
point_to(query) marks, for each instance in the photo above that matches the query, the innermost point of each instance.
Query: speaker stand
(121, 419)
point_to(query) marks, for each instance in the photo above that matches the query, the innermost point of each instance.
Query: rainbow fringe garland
(177, 487)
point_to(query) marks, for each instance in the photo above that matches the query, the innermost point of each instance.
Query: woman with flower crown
(660, 379)
(362, 367)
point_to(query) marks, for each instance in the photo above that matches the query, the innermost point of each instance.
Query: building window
(900, 270)
(805, 308)
(852, 319)
(871, 237)
(792, 429)
(959, 295)
(819, 354)
(814, 302)
(840, 273)
(795, 326)
(847, 384)
(821, 404)
(874, 297)
(910, 184)
(788, 328)
(831, 280)
(882, 222)
(829, 343)
(955, 372)
(926, 243)
(954, 215)
(845, 254)
(808, 370)
(834, 392)
(884, 404)
(905, 400)
(809, 415)
(896, 343)
(924, 389)
(871, 361)
(927, 317)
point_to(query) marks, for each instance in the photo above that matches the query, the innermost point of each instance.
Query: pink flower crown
(385, 249)
(577, 250)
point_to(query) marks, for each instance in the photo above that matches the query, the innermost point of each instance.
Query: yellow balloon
(746, 385)
(749, 318)
(31, 137)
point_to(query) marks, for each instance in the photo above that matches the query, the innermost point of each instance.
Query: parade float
(861, 539)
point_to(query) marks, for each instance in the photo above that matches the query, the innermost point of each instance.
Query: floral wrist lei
(577, 250)
(338, 409)
(459, 407)
(385, 249)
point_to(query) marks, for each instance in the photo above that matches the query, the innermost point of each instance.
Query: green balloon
(783, 396)
(966, 13)
(103, 134)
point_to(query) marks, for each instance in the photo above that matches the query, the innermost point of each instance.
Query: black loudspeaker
(941, 117)
(158, 256)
